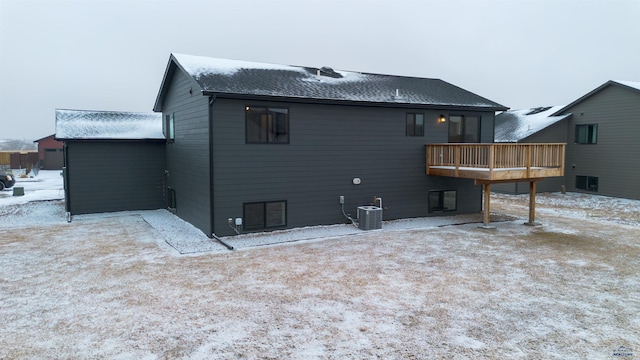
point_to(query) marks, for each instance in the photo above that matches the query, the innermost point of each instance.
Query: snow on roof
(202, 65)
(88, 124)
(242, 78)
(515, 125)
(633, 84)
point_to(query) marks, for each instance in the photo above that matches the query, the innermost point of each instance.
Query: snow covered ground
(120, 285)
(44, 194)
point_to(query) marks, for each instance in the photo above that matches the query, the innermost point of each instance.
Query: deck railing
(513, 161)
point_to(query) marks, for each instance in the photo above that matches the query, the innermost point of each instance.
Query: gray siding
(615, 158)
(188, 160)
(114, 176)
(329, 146)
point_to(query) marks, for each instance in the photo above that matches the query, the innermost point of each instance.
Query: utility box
(18, 191)
(369, 217)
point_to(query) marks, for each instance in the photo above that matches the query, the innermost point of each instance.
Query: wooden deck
(496, 162)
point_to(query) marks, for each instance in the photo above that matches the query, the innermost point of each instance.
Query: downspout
(221, 241)
(212, 100)
(65, 181)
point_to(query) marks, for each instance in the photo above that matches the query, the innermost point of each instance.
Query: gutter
(352, 102)
(212, 99)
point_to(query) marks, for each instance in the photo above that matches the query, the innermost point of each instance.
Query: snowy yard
(117, 285)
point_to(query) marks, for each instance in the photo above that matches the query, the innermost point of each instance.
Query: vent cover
(369, 217)
(538, 110)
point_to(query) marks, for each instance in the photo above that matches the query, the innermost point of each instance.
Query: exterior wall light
(442, 119)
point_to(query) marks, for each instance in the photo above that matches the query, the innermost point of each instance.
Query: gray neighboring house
(603, 151)
(278, 145)
(535, 125)
(114, 161)
(601, 130)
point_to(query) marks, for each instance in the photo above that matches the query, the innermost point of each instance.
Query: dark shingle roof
(249, 79)
(89, 124)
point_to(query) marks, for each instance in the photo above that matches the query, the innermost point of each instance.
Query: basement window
(442, 200)
(266, 125)
(588, 183)
(265, 215)
(415, 125)
(587, 134)
(171, 199)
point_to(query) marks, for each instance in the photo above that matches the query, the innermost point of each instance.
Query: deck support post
(532, 204)
(487, 207)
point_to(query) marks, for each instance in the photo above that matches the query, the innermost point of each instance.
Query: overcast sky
(111, 54)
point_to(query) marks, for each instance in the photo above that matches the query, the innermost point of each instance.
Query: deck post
(456, 151)
(491, 160)
(428, 158)
(532, 204)
(528, 147)
(487, 207)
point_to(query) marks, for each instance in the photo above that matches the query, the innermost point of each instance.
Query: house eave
(75, 139)
(324, 101)
(593, 92)
(166, 79)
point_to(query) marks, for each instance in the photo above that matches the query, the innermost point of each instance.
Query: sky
(112, 54)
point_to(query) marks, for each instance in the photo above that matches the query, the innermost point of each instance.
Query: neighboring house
(277, 145)
(601, 130)
(50, 155)
(535, 125)
(114, 161)
(603, 151)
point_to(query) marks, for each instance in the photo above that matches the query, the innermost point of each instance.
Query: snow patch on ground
(46, 186)
(110, 286)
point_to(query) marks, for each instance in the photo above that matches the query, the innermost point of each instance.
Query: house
(601, 130)
(603, 148)
(276, 146)
(50, 155)
(114, 161)
(535, 125)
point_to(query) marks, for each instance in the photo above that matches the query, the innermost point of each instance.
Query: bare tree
(17, 144)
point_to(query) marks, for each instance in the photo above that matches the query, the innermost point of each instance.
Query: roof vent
(327, 71)
(538, 110)
(397, 95)
(324, 71)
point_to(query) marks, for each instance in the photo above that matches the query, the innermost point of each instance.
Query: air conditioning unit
(369, 217)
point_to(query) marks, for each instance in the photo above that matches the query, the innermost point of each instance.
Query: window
(588, 183)
(415, 125)
(265, 215)
(168, 128)
(443, 200)
(586, 134)
(464, 129)
(266, 125)
(171, 199)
